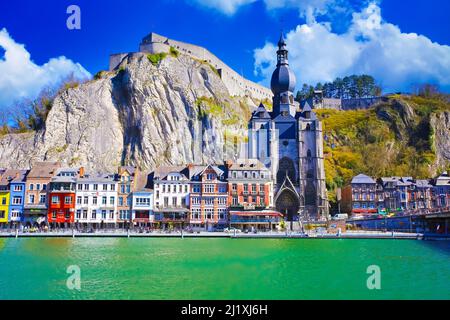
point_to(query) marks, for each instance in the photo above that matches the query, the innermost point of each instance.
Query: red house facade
(61, 207)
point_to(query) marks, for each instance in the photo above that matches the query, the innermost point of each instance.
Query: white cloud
(372, 46)
(308, 9)
(21, 78)
(228, 7)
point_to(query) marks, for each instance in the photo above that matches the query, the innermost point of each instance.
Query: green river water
(164, 268)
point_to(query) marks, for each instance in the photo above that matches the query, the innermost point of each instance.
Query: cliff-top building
(289, 142)
(234, 82)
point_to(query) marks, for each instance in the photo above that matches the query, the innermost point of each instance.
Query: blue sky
(327, 38)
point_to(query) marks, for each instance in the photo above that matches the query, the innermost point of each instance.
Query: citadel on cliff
(235, 83)
(288, 140)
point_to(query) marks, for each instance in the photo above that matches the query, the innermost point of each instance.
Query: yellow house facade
(4, 206)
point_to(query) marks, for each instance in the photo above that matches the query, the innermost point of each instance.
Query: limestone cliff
(441, 138)
(145, 113)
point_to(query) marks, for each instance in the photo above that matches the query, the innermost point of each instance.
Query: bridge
(432, 221)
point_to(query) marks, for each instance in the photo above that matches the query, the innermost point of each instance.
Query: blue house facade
(17, 182)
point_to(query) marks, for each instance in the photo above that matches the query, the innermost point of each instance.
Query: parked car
(231, 230)
(340, 216)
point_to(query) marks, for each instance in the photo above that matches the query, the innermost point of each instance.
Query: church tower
(289, 142)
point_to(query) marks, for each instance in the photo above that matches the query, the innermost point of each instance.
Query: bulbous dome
(283, 79)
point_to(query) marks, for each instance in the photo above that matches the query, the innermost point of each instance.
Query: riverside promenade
(204, 234)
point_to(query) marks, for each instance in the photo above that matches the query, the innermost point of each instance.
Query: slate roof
(197, 170)
(363, 179)
(248, 164)
(443, 179)
(13, 176)
(44, 169)
(162, 172)
(261, 113)
(130, 169)
(423, 184)
(99, 177)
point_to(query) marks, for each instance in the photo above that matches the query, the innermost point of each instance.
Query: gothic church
(289, 141)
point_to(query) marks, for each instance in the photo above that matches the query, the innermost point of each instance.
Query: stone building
(126, 184)
(363, 196)
(289, 141)
(171, 196)
(441, 191)
(208, 197)
(250, 189)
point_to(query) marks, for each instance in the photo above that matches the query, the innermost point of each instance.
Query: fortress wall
(154, 47)
(331, 103)
(115, 60)
(360, 103)
(235, 83)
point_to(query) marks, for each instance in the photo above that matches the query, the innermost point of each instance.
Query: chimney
(81, 172)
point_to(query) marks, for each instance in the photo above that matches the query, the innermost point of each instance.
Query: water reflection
(443, 246)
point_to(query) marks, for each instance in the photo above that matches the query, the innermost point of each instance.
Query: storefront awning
(365, 211)
(256, 213)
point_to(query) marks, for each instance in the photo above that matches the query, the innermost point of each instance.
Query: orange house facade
(61, 208)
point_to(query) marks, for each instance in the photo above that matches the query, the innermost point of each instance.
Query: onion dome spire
(282, 53)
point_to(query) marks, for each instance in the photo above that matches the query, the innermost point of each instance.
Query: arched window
(308, 127)
(308, 153)
(286, 167)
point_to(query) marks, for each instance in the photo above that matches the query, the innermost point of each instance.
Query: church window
(308, 127)
(286, 168)
(308, 154)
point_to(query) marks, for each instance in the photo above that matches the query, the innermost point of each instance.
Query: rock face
(175, 112)
(441, 124)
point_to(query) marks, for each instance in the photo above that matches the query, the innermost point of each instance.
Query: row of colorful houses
(368, 196)
(205, 197)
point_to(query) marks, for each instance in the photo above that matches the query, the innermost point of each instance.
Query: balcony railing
(171, 206)
(254, 220)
